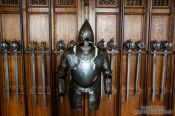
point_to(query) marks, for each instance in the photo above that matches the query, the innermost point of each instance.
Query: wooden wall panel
(109, 104)
(160, 31)
(158, 82)
(135, 101)
(39, 27)
(64, 108)
(107, 27)
(39, 109)
(67, 19)
(2, 107)
(10, 26)
(10, 30)
(133, 27)
(66, 27)
(160, 27)
(173, 34)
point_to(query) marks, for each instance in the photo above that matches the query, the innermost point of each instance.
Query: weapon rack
(53, 20)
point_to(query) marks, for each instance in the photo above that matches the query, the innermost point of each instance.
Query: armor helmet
(86, 33)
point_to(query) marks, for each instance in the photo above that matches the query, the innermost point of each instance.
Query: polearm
(42, 47)
(6, 47)
(15, 46)
(128, 46)
(154, 47)
(139, 47)
(32, 47)
(166, 46)
(60, 46)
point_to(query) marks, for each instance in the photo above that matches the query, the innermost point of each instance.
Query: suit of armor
(85, 69)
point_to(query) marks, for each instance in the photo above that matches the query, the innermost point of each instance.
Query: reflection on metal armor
(85, 67)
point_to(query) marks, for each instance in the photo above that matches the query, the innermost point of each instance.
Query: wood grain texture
(10, 26)
(133, 28)
(160, 27)
(107, 27)
(160, 31)
(111, 30)
(66, 22)
(134, 102)
(10, 30)
(66, 28)
(39, 109)
(39, 28)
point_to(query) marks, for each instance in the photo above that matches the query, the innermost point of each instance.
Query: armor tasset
(85, 69)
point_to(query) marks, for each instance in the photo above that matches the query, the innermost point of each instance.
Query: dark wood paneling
(66, 27)
(160, 27)
(67, 18)
(133, 27)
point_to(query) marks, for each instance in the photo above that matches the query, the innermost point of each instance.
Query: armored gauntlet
(107, 72)
(61, 82)
(108, 84)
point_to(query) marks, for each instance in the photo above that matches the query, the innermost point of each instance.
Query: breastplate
(85, 73)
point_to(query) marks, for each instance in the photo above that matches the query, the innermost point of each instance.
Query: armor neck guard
(80, 49)
(92, 52)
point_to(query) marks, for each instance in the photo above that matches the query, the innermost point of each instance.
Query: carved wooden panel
(160, 27)
(38, 30)
(108, 24)
(38, 2)
(134, 2)
(9, 2)
(64, 3)
(107, 27)
(10, 30)
(39, 27)
(10, 26)
(66, 28)
(106, 3)
(159, 67)
(160, 2)
(133, 27)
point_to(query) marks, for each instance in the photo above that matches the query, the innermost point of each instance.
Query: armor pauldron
(85, 70)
